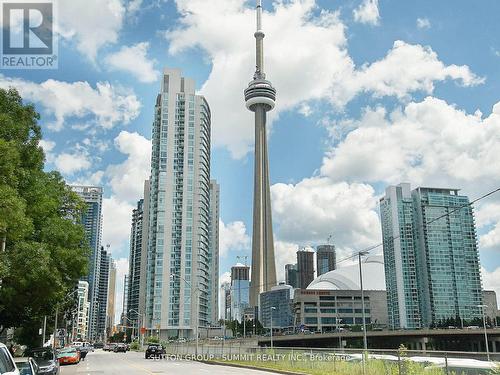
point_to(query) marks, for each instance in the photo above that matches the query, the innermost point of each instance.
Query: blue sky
(370, 93)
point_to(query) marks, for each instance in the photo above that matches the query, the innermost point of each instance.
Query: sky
(370, 93)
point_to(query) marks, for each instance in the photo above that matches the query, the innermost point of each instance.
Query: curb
(216, 363)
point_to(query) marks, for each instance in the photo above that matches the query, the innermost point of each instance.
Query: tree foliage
(45, 249)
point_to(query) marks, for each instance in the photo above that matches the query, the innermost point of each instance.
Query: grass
(373, 367)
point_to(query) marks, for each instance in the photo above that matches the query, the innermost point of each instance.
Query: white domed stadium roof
(347, 278)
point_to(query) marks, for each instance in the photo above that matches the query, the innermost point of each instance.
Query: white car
(7, 364)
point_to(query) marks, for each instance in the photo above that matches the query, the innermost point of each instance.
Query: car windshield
(44, 355)
(24, 368)
(66, 352)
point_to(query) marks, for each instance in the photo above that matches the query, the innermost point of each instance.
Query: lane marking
(138, 367)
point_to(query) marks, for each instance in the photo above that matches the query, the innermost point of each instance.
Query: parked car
(67, 356)
(109, 347)
(7, 364)
(120, 348)
(155, 351)
(46, 360)
(98, 345)
(26, 366)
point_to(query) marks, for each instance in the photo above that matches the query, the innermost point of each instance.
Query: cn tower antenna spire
(259, 37)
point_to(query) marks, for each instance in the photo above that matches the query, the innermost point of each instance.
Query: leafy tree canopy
(45, 252)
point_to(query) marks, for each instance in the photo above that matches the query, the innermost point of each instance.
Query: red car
(68, 356)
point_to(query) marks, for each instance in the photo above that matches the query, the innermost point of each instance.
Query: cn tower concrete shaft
(263, 262)
(260, 98)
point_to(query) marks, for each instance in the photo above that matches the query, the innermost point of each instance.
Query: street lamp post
(338, 320)
(483, 307)
(137, 322)
(365, 341)
(272, 308)
(197, 289)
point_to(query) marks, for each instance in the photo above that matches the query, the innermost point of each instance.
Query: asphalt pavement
(134, 363)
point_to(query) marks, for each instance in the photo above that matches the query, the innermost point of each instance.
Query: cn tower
(260, 97)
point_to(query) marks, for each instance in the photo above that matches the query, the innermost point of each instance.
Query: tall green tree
(43, 251)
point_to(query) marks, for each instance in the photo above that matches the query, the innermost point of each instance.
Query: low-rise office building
(276, 307)
(333, 299)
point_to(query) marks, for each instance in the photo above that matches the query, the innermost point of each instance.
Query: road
(133, 363)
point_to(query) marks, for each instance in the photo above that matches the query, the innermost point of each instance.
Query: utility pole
(55, 330)
(365, 341)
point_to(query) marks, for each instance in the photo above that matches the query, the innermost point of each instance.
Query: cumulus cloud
(318, 64)
(117, 218)
(103, 106)
(91, 24)
(285, 253)
(69, 163)
(429, 142)
(232, 237)
(127, 178)
(408, 68)
(367, 13)
(134, 60)
(308, 212)
(423, 23)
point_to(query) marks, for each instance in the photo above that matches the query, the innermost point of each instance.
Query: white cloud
(406, 69)
(232, 237)
(91, 24)
(318, 65)
(308, 212)
(428, 142)
(103, 106)
(127, 178)
(69, 163)
(423, 23)
(117, 218)
(367, 13)
(134, 60)
(47, 145)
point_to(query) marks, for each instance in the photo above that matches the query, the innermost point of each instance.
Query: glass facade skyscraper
(92, 222)
(177, 298)
(431, 257)
(325, 259)
(136, 241)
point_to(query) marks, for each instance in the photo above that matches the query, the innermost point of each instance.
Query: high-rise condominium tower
(178, 273)
(260, 97)
(213, 312)
(102, 309)
(92, 222)
(110, 320)
(134, 313)
(325, 259)
(305, 267)
(431, 256)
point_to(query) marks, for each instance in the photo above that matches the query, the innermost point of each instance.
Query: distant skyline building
(123, 317)
(110, 320)
(240, 290)
(92, 222)
(325, 259)
(178, 272)
(80, 327)
(431, 256)
(213, 289)
(291, 275)
(305, 268)
(102, 309)
(260, 97)
(134, 312)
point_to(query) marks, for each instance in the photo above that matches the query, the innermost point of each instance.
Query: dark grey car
(46, 360)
